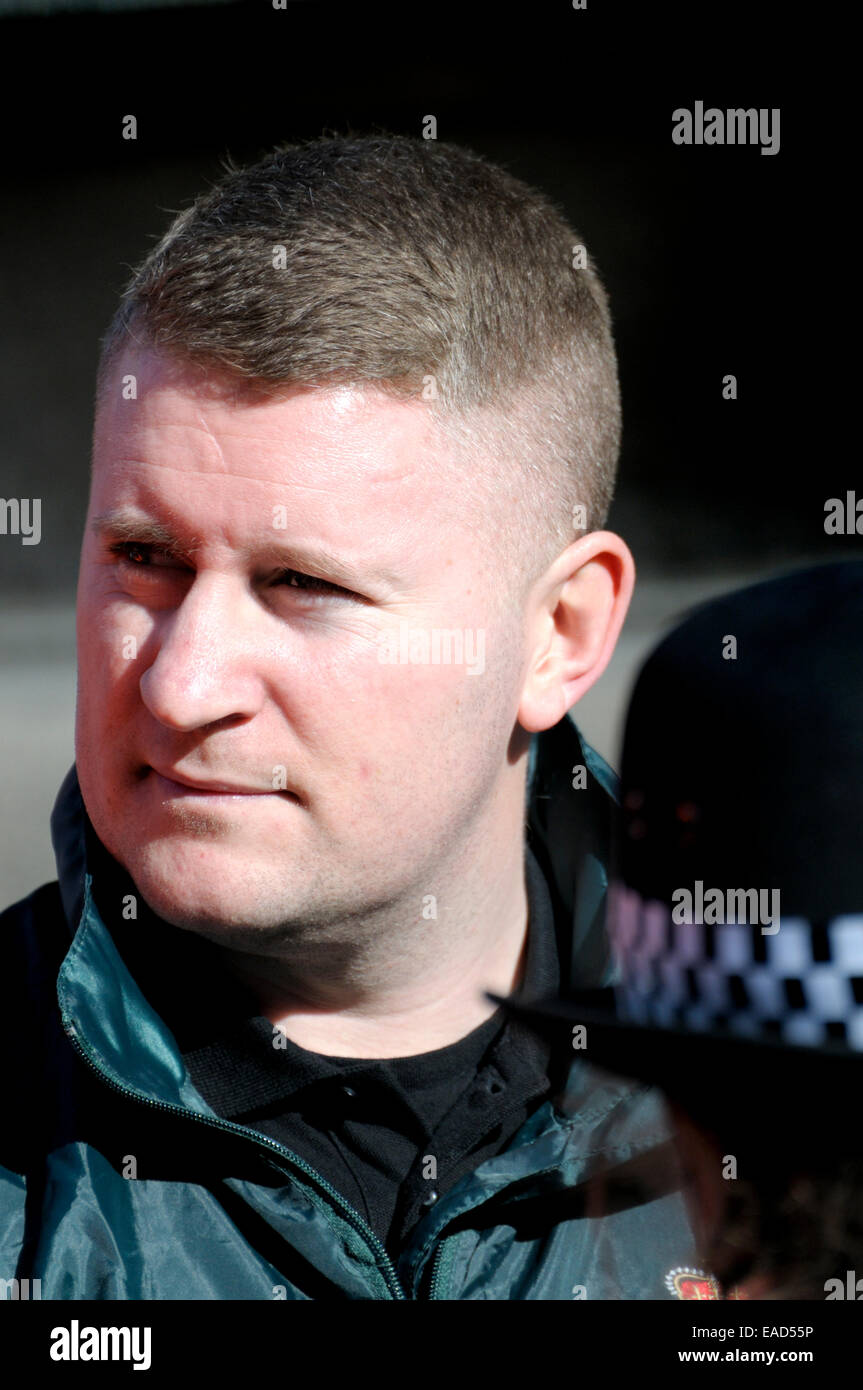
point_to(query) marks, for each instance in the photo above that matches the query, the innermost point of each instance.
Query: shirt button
(348, 1091)
(432, 1197)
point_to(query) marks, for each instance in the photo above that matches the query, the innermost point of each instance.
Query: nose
(204, 670)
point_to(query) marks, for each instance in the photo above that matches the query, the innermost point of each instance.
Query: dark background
(718, 259)
(715, 257)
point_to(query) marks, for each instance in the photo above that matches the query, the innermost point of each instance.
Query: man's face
(247, 655)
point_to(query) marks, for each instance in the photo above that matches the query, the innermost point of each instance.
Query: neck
(409, 978)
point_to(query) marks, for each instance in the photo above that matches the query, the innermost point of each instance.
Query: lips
(210, 788)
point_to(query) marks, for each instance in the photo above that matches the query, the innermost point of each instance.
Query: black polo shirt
(391, 1135)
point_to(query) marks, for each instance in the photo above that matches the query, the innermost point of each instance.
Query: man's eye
(137, 554)
(294, 579)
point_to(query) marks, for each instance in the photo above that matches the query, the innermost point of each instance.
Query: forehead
(185, 419)
(362, 476)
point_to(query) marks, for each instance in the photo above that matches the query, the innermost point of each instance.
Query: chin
(203, 890)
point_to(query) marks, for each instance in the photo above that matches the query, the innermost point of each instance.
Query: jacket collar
(569, 826)
(105, 1011)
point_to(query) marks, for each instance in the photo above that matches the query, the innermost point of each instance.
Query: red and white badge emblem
(695, 1283)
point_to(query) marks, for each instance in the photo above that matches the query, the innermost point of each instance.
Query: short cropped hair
(422, 269)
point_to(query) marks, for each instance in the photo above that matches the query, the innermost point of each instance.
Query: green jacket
(117, 1180)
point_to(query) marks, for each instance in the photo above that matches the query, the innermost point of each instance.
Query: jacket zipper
(435, 1279)
(352, 1216)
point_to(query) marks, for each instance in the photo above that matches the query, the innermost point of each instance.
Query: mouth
(174, 787)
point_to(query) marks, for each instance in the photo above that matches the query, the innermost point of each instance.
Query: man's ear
(575, 613)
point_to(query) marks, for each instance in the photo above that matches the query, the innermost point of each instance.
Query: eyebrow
(129, 525)
(126, 524)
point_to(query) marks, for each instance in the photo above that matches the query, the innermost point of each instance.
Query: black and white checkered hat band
(801, 984)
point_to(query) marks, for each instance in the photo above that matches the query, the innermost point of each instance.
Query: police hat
(735, 902)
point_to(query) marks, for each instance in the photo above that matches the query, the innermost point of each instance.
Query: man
(343, 577)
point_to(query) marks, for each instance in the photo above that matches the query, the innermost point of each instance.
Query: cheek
(108, 624)
(398, 700)
(394, 740)
(110, 645)
(110, 641)
(426, 738)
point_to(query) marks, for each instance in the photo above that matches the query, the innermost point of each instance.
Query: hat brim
(717, 1077)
